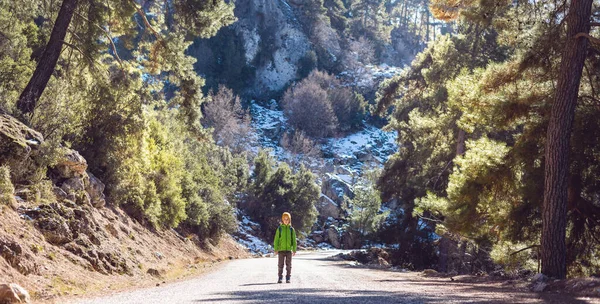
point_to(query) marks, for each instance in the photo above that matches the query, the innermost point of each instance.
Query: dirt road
(317, 279)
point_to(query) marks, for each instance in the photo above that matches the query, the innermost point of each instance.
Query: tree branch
(145, 18)
(532, 246)
(108, 35)
(79, 50)
(595, 23)
(592, 40)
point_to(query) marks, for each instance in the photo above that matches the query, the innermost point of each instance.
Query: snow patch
(245, 237)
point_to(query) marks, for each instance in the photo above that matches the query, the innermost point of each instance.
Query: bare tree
(308, 109)
(360, 52)
(230, 123)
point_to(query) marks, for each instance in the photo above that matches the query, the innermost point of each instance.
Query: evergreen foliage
(276, 189)
(472, 114)
(6, 187)
(365, 216)
(125, 94)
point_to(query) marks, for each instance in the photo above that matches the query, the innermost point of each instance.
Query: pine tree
(554, 210)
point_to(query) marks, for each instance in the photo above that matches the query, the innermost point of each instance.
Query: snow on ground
(330, 200)
(364, 147)
(370, 140)
(245, 236)
(369, 75)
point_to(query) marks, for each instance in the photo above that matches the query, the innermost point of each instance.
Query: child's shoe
(279, 281)
(287, 279)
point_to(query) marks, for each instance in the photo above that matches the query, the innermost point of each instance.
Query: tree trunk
(444, 247)
(34, 89)
(460, 142)
(427, 23)
(554, 210)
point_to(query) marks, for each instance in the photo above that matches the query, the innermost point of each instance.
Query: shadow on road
(258, 284)
(326, 296)
(316, 296)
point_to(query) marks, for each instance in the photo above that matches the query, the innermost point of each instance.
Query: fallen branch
(532, 246)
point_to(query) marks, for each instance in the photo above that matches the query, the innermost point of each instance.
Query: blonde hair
(286, 214)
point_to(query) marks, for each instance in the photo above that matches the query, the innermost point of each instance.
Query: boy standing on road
(285, 246)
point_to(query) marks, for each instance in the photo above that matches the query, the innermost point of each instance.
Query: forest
(494, 104)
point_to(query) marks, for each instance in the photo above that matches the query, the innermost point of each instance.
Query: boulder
(380, 263)
(50, 221)
(342, 170)
(13, 293)
(95, 188)
(328, 208)
(10, 251)
(13, 253)
(336, 189)
(71, 164)
(350, 240)
(332, 236)
(60, 193)
(273, 131)
(55, 230)
(73, 185)
(16, 141)
(539, 286)
(540, 277)
(154, 272)
(317, 237)
(75, 190)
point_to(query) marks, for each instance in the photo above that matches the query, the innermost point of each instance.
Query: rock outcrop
(14, 254)
(17, 141)
(267, 43)
(13, 293)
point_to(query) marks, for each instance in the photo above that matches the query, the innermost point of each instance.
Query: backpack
(291, 230)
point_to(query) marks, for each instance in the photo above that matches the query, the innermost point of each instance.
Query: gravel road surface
(317, 279)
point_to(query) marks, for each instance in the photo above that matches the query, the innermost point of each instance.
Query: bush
(277, 190)
(320, 106)
(365, 217)
(349, 108)
(6, 187)
(308, 109)
(298, 143)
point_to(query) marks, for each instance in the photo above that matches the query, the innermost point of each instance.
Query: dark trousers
(285, 256)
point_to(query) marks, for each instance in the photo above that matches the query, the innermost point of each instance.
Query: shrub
(308, 109)
(277, 190)
(298, 143)
(349, 108)
(6, 187)
(319, 105)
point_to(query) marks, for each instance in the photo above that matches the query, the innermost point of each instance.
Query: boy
(285, 245)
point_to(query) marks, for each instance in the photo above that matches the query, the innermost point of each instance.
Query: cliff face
(259, 54)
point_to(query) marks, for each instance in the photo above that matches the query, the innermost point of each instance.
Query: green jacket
(286, 239)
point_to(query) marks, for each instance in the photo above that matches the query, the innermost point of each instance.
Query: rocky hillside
(75, 242)
(341, 163)
(261, 51)
(271, 46)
